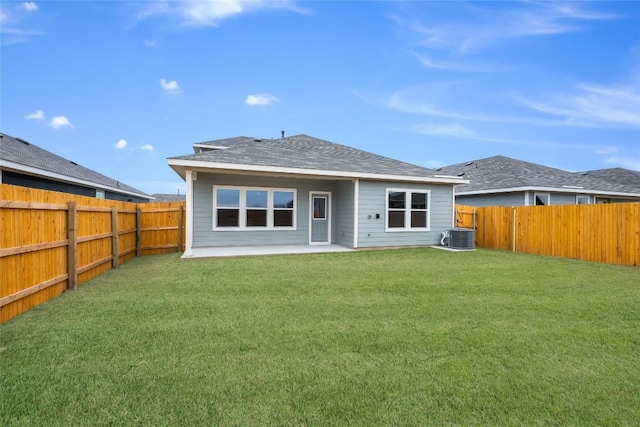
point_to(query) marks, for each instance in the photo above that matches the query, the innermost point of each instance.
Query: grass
(402, 337)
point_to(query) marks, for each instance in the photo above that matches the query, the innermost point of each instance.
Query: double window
(407, 209)
(252, 207)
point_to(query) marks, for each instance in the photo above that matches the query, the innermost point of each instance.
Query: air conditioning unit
(461, 238)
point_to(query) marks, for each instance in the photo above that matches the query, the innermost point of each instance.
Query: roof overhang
(572, 190)
(210, 147)
(16, 167)
(180, 166)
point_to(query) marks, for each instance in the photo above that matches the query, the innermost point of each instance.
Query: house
(25, 164)
(163, 197)
(302, 190)
(616, 175)
(505, 181)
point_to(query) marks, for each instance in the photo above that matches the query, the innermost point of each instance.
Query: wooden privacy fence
(608, 233)
(51, 242)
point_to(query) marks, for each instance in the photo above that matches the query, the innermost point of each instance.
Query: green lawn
(399, 337)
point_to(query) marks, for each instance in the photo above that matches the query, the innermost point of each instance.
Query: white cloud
(171, 87)
(476, 28)
(30, 6)
(209, 13)
(59, 121)
(36, 115)
(121, 144)
(457, 100)
(592, 105)
(260, 99)
(455, 65)
(625, 162)
(150, 43)
(451, 129)
(607, 150)
(14, 20)
(148, 147)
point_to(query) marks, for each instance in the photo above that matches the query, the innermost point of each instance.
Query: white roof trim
(210, 147)
(5, 164)
(546, 189)
(312, 172)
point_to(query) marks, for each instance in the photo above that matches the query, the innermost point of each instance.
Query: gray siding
(343, 213)
(372, 232)
(497, 199)
(204, 235)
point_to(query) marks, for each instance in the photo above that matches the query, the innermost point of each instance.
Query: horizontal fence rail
(607, 233)
(51, 242)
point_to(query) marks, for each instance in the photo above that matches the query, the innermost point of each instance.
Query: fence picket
(51, 241)
(607, 233)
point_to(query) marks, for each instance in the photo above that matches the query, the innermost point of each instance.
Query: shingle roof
(169, 197)
(303, 152)
(21, 152)
(499, 173)
(617, 175)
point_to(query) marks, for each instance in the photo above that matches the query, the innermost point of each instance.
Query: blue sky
(120, 86)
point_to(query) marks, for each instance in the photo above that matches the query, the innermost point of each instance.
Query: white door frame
(328, 207)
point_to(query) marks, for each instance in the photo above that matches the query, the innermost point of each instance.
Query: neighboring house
(302, 190)
(503, 181)
(159, 198)
(616, 175)
(25, 164)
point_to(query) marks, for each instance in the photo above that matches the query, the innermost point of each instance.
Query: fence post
(114, 236)
(180, 220)
(72, 247)
(514, 229)
(138, 231)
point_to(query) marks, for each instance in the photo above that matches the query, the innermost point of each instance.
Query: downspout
(356, 211)
(454, 210)
(190, 177)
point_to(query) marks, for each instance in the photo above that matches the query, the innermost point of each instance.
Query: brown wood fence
(608, 233)
(51, 242)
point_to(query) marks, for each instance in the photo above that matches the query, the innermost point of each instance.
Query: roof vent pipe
(282, 133)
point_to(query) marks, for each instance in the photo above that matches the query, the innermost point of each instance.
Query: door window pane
(319, 208)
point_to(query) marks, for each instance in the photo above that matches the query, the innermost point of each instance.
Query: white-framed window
(541, 199)
(251, 208)
(407, 210)
(583, 199)
(99, 194)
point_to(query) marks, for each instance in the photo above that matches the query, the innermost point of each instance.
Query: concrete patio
(237, 251)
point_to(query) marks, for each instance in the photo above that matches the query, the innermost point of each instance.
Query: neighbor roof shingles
(617, 175)
(499, 173)
(30, 155)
